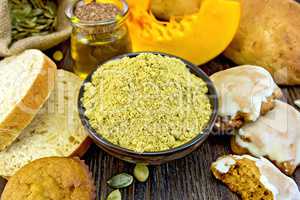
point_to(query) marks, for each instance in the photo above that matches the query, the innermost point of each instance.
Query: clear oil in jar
(88, 51)
(99, 33)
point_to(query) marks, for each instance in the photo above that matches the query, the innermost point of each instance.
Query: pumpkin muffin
(51, 178)
(254, 178)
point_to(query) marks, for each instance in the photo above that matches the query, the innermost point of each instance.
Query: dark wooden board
(185, 179)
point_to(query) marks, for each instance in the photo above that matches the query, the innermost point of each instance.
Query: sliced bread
(26, 83)
(55, 131)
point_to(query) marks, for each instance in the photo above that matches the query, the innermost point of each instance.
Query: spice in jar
(99, 34)
(96, 11)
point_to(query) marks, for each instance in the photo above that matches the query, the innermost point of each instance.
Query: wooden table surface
(186, 179)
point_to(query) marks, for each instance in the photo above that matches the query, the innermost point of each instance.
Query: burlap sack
(63, 31)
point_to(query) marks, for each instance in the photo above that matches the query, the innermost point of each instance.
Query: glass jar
(94, 42)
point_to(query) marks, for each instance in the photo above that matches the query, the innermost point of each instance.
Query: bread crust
(37, 95)
(269, 36)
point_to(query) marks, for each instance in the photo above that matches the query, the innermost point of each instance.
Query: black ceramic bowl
(153, 158)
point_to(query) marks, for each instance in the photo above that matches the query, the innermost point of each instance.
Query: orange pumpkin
(197, 37)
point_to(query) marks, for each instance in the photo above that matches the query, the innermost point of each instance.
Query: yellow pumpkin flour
(148, 103)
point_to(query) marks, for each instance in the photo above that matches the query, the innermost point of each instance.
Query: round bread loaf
(51, 178)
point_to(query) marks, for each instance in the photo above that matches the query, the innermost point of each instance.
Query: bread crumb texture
(51, 179)
(27, 80)
(147, 103)
(56, 130)
(243, 177)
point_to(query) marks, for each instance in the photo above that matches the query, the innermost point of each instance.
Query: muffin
(254, 178)
(51, 178)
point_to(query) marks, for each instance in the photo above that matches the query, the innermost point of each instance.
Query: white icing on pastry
(281, 186)
(276, 135)
(243, 89)
(223, 164)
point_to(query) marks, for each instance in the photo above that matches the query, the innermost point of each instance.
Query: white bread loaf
(55, 131)
(26, 83)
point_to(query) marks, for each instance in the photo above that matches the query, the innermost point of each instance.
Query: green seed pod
(114, 195)
(120, 181)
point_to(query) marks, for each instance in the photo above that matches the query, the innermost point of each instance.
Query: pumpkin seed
(48, 15)
(27, 25)
(14, 32)
(16, 1)
(20, 35)
(34, 3)
(37, 11)
(120, 181)
(42, 21)
(51, 7)
(58, 55)
(40, 27)
(54, 24)
(141, 172)
(33, 30)
(114, 195)
(26, 10)
(20, 29)
(40, 3)
(32, 17)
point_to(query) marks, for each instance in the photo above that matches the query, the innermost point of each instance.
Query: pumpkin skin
(198, 37)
